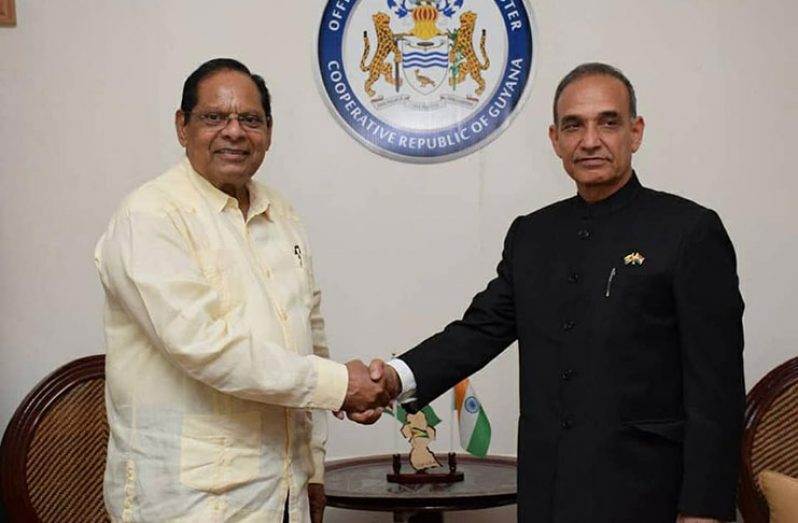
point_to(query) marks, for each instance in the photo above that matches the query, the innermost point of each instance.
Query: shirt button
(574, 277)
(584, 234)
(568, 374)
(566, 424)
(568, 325)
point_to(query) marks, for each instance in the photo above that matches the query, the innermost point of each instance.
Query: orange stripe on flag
(460, 391)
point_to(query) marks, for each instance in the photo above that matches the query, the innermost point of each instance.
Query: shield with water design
(425, 62)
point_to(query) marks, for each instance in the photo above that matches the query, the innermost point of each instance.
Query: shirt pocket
(305, 288)
(298, 284)
(219, 452)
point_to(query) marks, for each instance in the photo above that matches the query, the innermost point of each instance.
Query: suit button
(573, 277)
(566, 424)
(568, 325)
(584, 234)
(568, 374)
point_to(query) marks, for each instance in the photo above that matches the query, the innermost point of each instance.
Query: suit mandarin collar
(613, 203)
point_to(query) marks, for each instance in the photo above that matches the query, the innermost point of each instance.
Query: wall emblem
(426, 80)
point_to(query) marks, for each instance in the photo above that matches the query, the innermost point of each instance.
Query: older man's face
(595, 136)
(226, 154)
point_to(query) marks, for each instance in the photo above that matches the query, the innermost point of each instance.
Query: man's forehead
(227, 85)
(576, 114)
(594, 95)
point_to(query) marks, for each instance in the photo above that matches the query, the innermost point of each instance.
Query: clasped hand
(370, 389)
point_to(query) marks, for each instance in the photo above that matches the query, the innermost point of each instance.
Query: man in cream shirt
(216, 355)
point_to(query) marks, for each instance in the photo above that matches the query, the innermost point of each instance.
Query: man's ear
(180, 127)
(638, 126)
(269, 127)
(554, 136)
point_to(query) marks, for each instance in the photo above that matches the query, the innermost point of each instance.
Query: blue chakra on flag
(426, 80)
(471, 404)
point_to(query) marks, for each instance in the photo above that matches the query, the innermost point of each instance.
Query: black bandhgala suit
(629, 326)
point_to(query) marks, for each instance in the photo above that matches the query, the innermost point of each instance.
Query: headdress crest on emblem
(447, 8)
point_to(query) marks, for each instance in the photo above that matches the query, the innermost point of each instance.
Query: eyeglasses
(215, 120)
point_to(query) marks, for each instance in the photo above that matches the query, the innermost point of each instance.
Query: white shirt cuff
(407, 380)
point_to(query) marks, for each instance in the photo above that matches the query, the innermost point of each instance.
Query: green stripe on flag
(480, 437)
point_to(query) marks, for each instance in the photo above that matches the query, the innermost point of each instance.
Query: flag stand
(422, 476)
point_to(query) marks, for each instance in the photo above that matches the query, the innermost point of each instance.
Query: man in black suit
(625, 304)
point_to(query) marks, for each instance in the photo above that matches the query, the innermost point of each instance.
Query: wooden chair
(770, 437)
(52, 456)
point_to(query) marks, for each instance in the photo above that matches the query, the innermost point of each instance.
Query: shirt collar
(614, 202)
(259, 202)
(220, 200)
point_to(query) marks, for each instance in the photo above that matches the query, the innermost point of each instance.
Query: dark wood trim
(461, 458)
(22, 427)
(8, 13)
(418, 504)
(752, 504)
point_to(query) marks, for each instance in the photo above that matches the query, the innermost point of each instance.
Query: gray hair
(596, 69)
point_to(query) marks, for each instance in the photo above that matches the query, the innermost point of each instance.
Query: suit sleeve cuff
(407, 380)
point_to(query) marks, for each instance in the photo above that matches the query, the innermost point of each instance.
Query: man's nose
(591, 139)
(232, 127)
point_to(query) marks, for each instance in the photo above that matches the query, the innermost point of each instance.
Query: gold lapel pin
(634, 258)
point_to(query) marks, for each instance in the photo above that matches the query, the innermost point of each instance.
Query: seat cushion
(781, 493)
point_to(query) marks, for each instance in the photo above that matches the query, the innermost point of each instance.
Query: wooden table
(361, 484)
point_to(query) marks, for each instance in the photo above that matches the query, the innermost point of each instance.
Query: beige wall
(87, 93)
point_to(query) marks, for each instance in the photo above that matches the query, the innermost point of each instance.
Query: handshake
(370, 389)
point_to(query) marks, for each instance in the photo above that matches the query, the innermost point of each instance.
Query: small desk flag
(474, 425)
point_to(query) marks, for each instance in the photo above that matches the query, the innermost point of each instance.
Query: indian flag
(474, 424)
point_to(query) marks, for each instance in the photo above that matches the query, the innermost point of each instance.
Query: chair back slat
(66, 459)
(770, 438)
(776, 437)
(52, 457)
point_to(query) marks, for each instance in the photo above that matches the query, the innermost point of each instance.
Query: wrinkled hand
(690, 519)
(379, 370)
(367, 417)
(363, 393)
(370, 389)
(317, 500)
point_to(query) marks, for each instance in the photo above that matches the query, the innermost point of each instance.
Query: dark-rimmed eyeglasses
(218, 120)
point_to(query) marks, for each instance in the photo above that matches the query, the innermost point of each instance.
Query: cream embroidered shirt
(216, 356)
